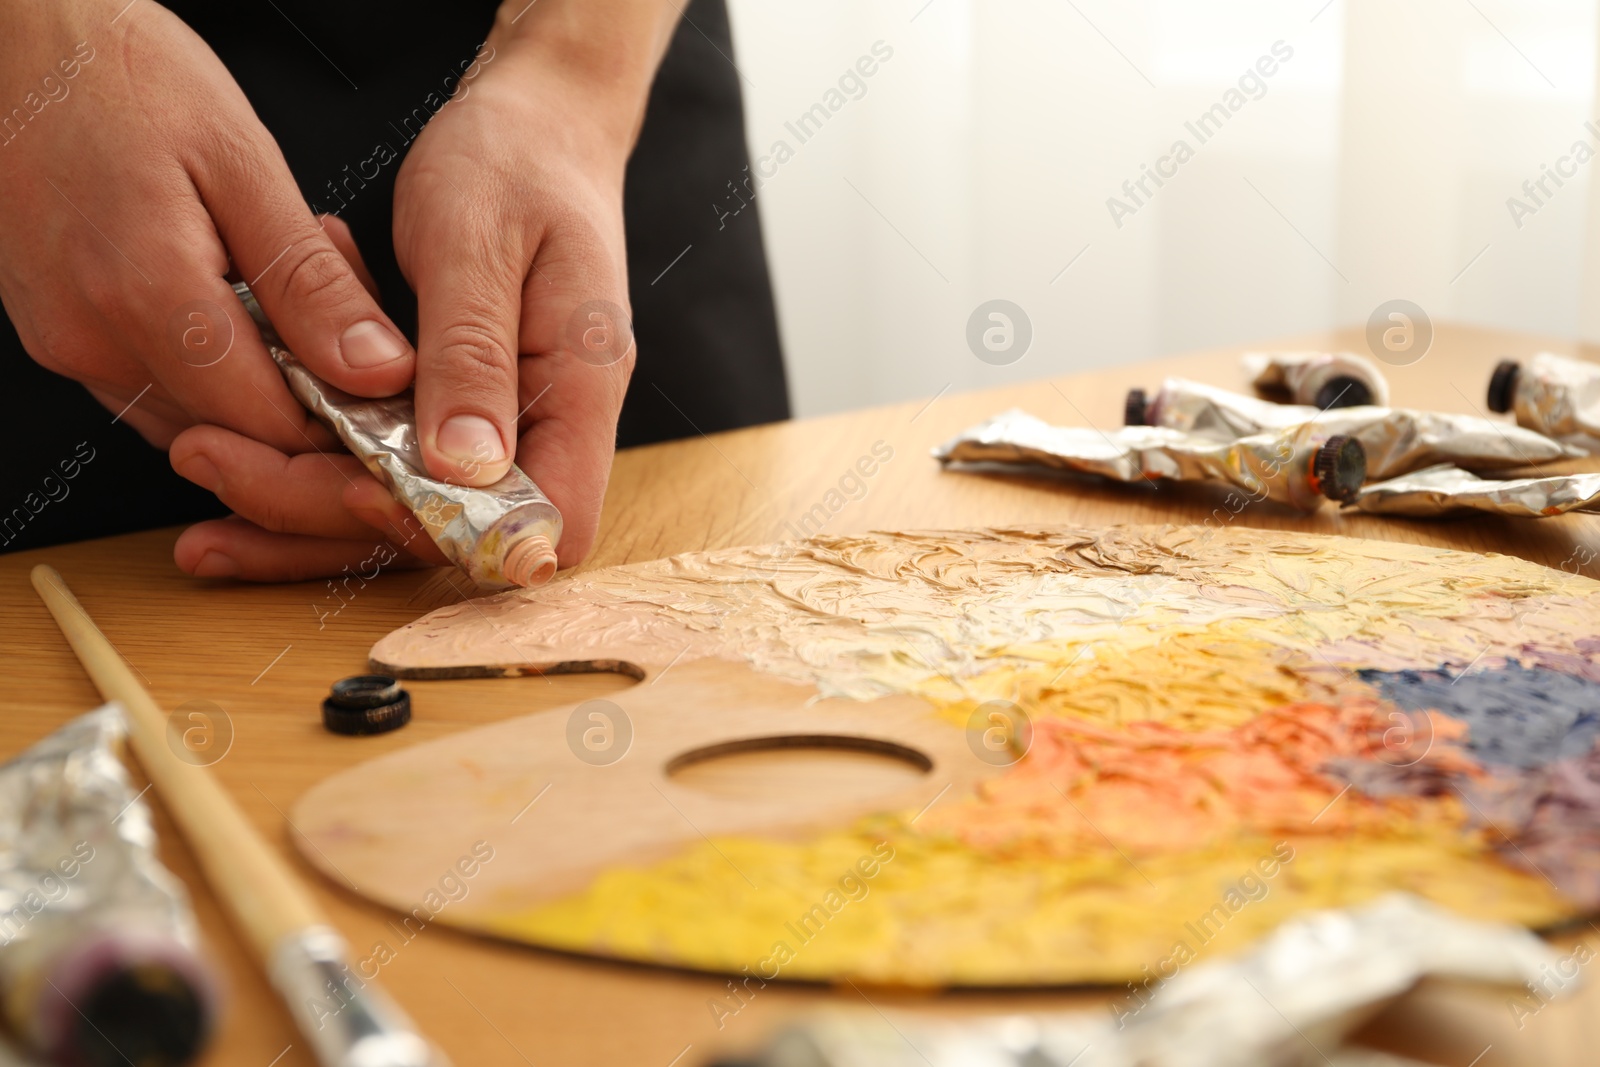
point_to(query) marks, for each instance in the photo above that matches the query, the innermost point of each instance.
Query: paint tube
(1312, 981)
(1321, 379)
(1444, 490)
(1397, 440)
(1298, 465)
(92, 927)
(1555, 395)
(502, 535)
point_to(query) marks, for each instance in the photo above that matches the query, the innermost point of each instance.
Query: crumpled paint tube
(1444, 489)
(92, 926)
(1397, 440)
(1555, 395)
(1321, 379)
(1312, 981)
(502, 535)
(1298, 466)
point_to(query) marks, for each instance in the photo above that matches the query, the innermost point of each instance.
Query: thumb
(306, 286)
(468, 307)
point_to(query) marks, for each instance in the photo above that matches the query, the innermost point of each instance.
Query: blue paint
(1516, 716)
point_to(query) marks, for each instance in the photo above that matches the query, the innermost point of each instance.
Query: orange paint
(1149, 787)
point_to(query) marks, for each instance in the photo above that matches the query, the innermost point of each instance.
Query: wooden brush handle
(264, 897)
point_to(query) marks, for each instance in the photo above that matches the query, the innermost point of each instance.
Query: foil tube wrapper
(81, 887)
(1560, 397)
(502, 535)
(1397, 440)
(1321, 379)
(1445, 490)
(1273, 466)
(1289, 1001)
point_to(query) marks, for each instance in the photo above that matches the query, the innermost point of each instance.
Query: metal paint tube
(99, 951)
(1313, 981)
(1299, 465)
(1445, 490)
(502, 535)
(1397, 440)
(1321, 379)
(1552, 394)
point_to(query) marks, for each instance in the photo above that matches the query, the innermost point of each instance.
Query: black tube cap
(1503, 386)
(1133, 409)
(366, 704)
(1340, 467)
(149, 1015)
(1343, 391)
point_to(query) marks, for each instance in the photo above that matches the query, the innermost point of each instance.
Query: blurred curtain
(980, 161)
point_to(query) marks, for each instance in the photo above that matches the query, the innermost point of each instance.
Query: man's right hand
(132, 188)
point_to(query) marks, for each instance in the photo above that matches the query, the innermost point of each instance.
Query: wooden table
(263, 655)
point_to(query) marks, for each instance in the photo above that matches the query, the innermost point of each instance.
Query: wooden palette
(988, 757)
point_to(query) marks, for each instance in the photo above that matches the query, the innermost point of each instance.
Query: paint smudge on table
(1370, 716)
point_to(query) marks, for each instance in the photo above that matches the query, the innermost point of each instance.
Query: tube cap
(366, 704)
(1503, 385)
(1340, 467)
(1134, 408)
(1343, 391)
(129, 996)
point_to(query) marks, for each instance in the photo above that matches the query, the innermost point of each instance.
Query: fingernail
(216, 565)
(470, 442)
(367, 344)
(202, 472)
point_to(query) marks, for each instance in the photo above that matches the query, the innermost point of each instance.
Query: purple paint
(1516, 716)
(1377, 778)
(1565, 660)
(1546, 821)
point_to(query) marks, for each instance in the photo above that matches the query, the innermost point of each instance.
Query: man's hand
(129, 197)
(508, 224)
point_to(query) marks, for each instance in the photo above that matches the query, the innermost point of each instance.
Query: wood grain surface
(259, 659)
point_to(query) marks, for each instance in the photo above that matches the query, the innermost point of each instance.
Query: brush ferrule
(348, 1021)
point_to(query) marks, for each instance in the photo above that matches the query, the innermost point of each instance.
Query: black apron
(708, 358)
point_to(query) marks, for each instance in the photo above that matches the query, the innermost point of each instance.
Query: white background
(1377, 166)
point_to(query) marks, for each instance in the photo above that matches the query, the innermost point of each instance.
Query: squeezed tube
(502, 535)
(1396, 440)
(1447, 490)
(1321, 379)
(1553, 395)
(1298, 465)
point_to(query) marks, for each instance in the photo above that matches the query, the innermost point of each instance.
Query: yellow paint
(1198, 678)
(943, 913)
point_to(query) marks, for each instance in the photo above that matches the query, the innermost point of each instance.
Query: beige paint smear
(928, 611)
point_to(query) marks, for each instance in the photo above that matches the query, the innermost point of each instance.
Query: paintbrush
(347, 1021)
